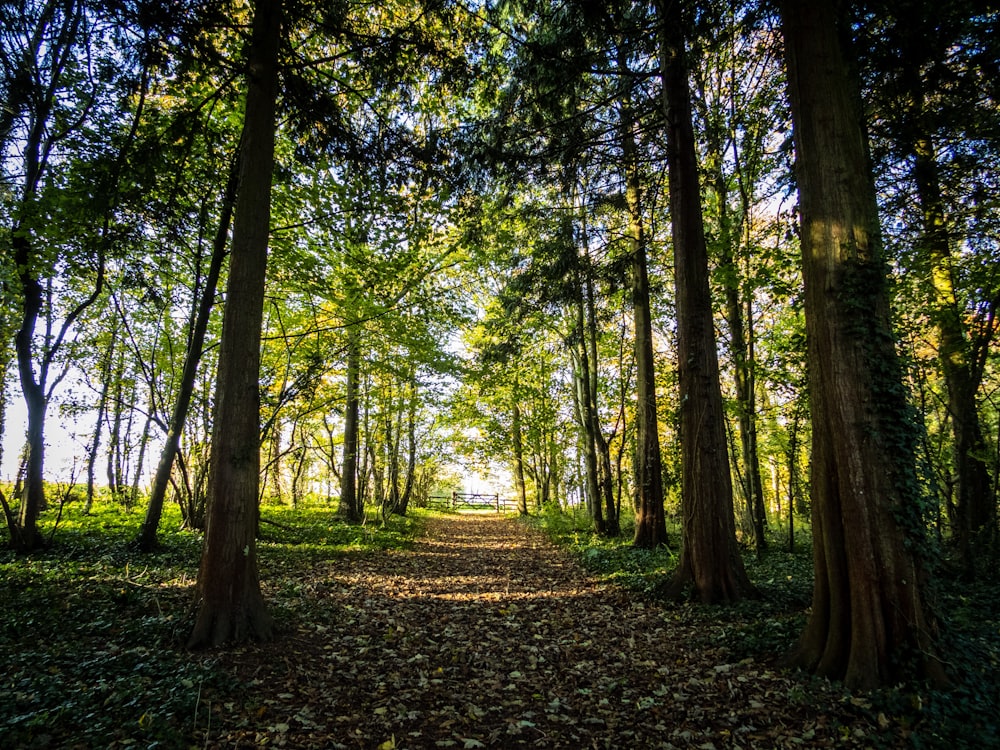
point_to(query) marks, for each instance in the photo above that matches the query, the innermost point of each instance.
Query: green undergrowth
(766, 628)
(92, 633)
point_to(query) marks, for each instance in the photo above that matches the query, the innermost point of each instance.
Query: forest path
(484, 634)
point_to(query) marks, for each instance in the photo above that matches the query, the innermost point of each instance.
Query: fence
(471, 501)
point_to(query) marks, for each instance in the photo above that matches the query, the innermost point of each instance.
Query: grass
(965, 716)
(92, 634)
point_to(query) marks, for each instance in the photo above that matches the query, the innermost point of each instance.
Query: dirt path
(485, 635)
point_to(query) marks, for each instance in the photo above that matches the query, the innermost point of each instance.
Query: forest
(707, 291)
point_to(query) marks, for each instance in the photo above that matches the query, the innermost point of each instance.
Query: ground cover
(460, 630)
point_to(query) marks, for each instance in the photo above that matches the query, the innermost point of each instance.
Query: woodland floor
(484, 634)
(478, 632)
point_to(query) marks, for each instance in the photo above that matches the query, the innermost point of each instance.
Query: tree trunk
(147, 541)
(741, 340)
(587, 422)
(114, 458)
(518, 440)
(232, 607)
(102, 406)
(605, 477)
(4, 368)
(411, 448)
(975, 520)
(350, 509)
(367, 452)
(140, 460)
(650, 522)
(868, 625)
(710, 557)
(60, 29)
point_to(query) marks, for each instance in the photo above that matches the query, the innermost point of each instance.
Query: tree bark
(741, 344)
(27, 536)
(102, 405)
(587, 421)
(605, 478)
(410, 390)
(232, 607)
(869, 624)
(710, 557)
(61, 30)
(114, 458)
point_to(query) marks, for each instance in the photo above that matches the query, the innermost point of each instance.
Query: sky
(63, 446)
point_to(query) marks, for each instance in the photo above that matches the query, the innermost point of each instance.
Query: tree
(232, 607)
(650, 523)
(351, 502)
(869, 622)
(935, 123)
(738, 98)
(710, 557)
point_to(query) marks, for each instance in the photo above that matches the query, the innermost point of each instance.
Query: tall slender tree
(710, 557)
(650, 522)
(928, 66)
(351, 502)
(232, 607)
(64, 71)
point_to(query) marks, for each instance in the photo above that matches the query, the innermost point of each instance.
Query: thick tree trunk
(232, 607)
(868, 624)
(710, 557)
(147, 541)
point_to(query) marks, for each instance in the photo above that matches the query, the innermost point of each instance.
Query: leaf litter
(484, 634)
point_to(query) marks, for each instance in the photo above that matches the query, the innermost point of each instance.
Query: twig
(66, 494)
(197, 703)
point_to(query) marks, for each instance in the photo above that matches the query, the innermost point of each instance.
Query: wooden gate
(470, 501)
